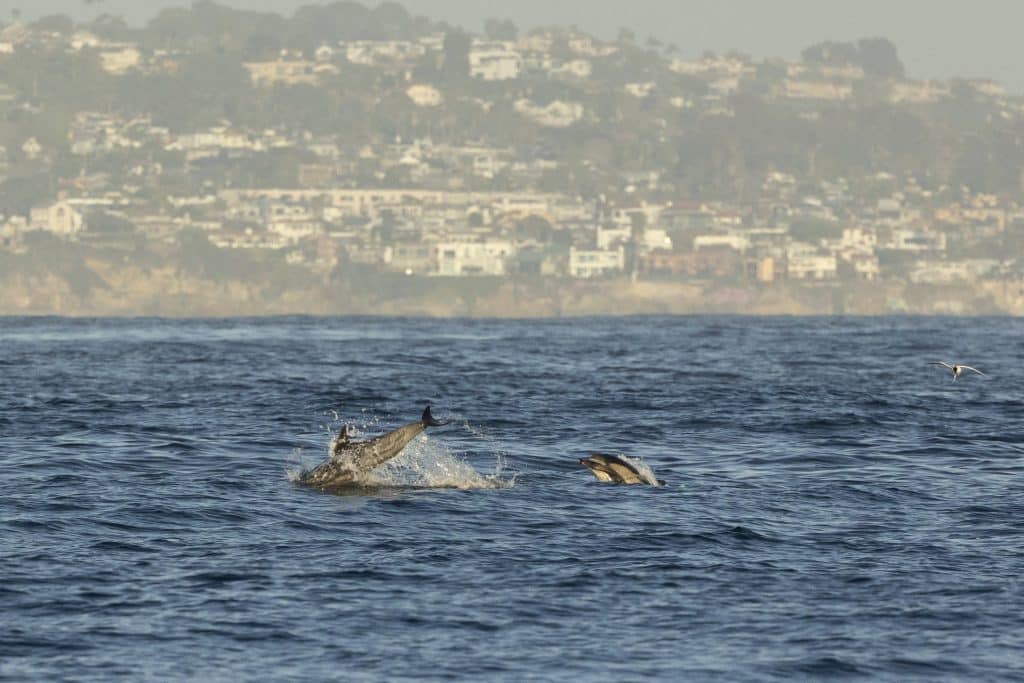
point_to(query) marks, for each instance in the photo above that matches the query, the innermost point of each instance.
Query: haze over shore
(345, 158)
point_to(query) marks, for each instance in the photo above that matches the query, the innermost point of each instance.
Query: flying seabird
(957, 369)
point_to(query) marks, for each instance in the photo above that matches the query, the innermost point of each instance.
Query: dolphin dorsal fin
(429, 420)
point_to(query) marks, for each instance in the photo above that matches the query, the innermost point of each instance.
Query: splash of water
(643, 468)
(427, 463)
(423, 463)
(298, 464)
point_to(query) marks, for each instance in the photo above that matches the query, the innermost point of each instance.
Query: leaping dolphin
(619, 470)
(351, 460)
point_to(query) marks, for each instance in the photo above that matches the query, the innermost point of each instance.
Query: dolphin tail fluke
(428, 419)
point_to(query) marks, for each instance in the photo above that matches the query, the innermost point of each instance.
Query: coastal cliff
(101, 288)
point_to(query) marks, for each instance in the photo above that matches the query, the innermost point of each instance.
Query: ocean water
(835, 507)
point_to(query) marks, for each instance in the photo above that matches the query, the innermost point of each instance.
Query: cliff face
(128, 290)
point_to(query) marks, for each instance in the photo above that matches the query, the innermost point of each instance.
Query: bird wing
(939, 362)
(968, 367)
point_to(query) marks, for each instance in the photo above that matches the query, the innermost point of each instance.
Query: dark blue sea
(835, 506)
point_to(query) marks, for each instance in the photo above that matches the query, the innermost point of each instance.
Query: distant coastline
(165, 293)
(362, 160)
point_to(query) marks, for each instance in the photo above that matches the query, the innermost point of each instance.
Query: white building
(556, 114)
(640, 90)
(806, 262)
(375, 52)
(710, 67)
(865, 266)
(60, 218)
(32, 149)
(732, 241)
(433, 42)
(494, 62)
(942, 272)
(371, 201)
(424, 95)
(488, 165)
(292, 230)
(988, 87)
(655, 238)
(81, 39)
(117, 59)
(625, 216)
(535, 42)
(816, 90)
(588, 47)
(574, 68)
(285, 72)
(324, 53)
(291, 222)
(608, 237)
(917, 92)
(858, 239)
(585, 263)
(13, 35)
(473, 258)
(917, 240)
(218, 137)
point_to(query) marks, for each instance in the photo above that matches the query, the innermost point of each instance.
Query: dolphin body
(350, 460)
(619, 470)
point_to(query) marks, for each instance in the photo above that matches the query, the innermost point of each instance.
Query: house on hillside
(494, 61)
(60, 218)
(287, 72)
(377, 52)
(474, 258)
(587, 263)
(807, 262)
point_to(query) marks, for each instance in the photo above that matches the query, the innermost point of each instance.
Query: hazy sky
(936, 38)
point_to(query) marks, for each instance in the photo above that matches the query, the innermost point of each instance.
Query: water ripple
(822, 518)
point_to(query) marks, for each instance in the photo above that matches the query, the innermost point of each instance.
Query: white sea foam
(429, 464)
(645, 471)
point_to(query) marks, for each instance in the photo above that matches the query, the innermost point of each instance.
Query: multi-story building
(587, 263)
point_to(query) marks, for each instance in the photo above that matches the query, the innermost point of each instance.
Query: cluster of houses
(472, 233)
(426, 207)
(557, 54)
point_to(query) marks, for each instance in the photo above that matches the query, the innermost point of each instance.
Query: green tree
(19, 194)
(638, 223)
(534, 227)
(455, 66)
(261, 47)
(814, 230)
(109, 224)
(831, 53)
(500, 29)
(879, 57)
(55, 23)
